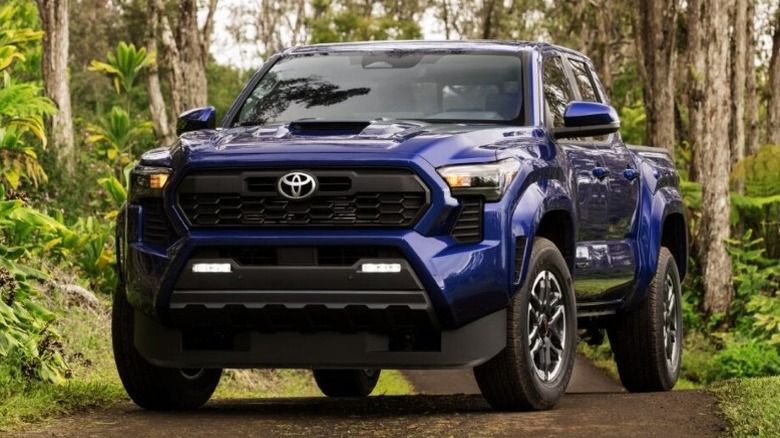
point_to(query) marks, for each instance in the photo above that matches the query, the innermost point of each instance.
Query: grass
(269, 383)
(30, 403)
(752, 406)
(94, 382)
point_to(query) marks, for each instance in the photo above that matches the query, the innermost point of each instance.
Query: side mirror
(196, 119)
(588, 119)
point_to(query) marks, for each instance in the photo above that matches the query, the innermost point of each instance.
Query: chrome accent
(297, 185)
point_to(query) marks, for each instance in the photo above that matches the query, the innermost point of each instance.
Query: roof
(433, 46)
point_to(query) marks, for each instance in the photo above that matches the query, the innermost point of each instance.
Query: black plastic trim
(156, 229)
(344, 198)
(468, 226)
(467, 346)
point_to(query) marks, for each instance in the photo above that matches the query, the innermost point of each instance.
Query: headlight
(148, 182)
(489, 180)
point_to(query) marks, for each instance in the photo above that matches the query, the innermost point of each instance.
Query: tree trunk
(773, 87)
(655, 28)
(156, 102)
(738, 64)
(714, 156)
(695, 93)
(54, 19)
(193, 91)
(751, 93)
(602, 56)
(172, 60)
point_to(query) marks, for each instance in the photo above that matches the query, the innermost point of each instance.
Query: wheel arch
(558, 227)
(544, 210)
(674, 236)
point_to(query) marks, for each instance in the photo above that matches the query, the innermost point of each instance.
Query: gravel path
(448, 405)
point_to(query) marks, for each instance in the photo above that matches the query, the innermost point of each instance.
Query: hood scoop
(330, 127)
(375, 129)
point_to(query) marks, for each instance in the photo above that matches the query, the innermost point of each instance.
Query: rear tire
(533, 370)
(647, 340)
(346, 383)
(149, 386)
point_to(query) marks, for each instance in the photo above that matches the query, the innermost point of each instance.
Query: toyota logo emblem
(297, 185)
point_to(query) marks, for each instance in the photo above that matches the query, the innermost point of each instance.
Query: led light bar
(212, 268)
(380, 268)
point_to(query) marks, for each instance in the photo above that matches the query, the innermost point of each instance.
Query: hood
(439, 144)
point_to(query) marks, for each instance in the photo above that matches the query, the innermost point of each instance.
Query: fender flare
(537, 201)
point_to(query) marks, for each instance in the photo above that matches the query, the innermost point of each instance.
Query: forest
(86, 86)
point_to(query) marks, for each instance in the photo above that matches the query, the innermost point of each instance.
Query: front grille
(386, 209)
(468, 226)
(156, 229)
(368, 197)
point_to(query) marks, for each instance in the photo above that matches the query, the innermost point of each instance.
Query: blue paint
(617, 199)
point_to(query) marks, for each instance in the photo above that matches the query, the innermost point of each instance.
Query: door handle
(600, 172)
(631, 174)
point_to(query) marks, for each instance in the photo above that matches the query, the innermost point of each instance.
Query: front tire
(149, 386)
(647, 341)
(533, 370)
(346, 383)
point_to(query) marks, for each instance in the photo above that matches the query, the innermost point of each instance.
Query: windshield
(387, 85)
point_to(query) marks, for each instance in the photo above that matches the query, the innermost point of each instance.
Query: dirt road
(449, 405)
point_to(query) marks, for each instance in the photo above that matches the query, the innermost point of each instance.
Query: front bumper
(459, 282)
(467, 346)
(443, 287)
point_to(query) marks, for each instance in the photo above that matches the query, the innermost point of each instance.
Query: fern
(760, 172)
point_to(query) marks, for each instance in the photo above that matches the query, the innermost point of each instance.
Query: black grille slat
(468, 226)
(372, 197)
(391, 209)
(156, 229)
(261, 184)
(335, 183)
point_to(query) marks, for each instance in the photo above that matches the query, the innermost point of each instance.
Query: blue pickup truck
(402, 205)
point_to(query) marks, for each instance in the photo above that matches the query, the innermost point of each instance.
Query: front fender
(539, 198)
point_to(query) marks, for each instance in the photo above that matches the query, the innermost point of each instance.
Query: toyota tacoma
(393, 205)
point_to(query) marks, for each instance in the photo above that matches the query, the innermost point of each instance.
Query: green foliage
(741, 357)
(124, 65)
(30, 402)
(18, 160)
(116, 137)
(766, 313)
(29, 347)
(225, 83)
(22, 108)
(752, 347)
(16, 31)
(115, 189)
(760, 172)
(699, 364)
(351, 23)
(753, 275)
(632, 123)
